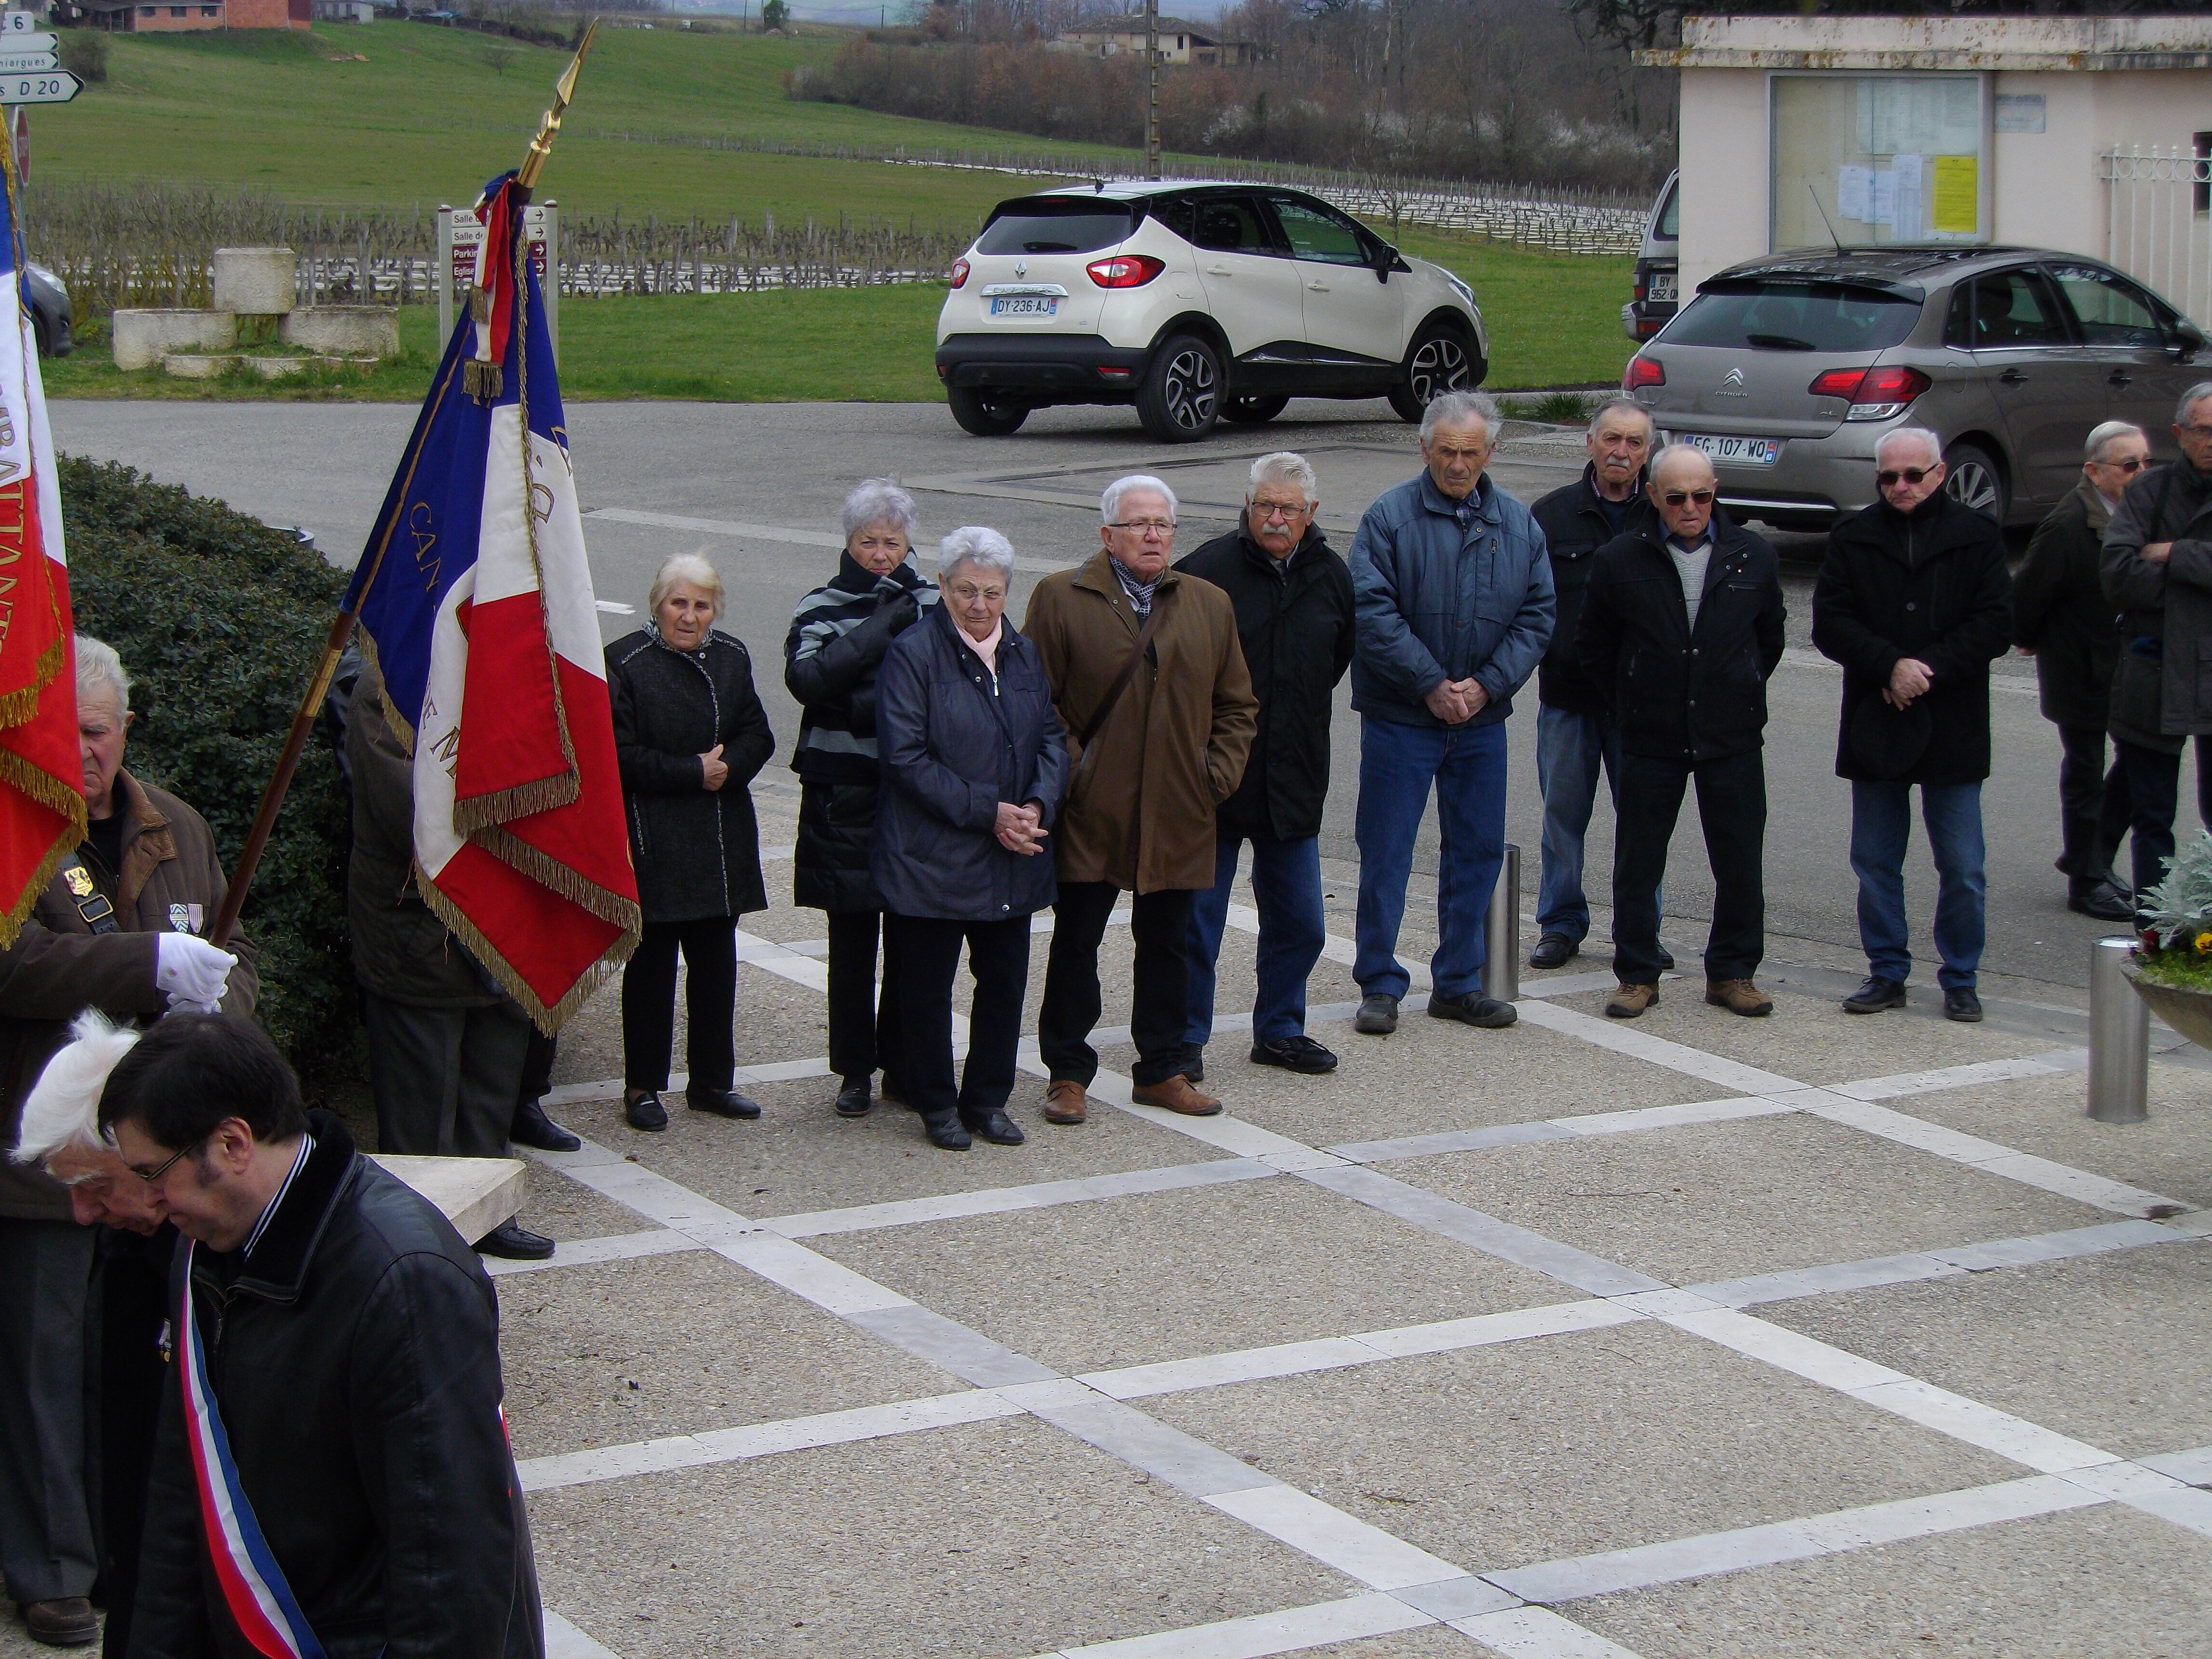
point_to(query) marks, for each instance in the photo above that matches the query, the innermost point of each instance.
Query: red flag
(42, 773)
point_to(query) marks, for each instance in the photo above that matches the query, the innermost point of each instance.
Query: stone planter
(144, 339)
(2189, 1013)
(190, 366)
(346, 331)
(258, 281)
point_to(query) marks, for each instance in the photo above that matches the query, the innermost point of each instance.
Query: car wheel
(985, 415)
(1439, 360)
(1254, 411)
(1974, 479)
(1180, 399)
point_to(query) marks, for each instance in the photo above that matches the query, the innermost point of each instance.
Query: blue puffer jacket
(953, 746)
(1446, 590)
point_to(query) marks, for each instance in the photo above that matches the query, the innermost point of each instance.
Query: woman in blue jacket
(973, 762)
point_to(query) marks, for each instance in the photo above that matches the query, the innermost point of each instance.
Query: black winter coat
(1575, 526)
(1930, 585)
(1676, 692)
(696, 849)
(831, 656)
(953, 747)
(1297, 629)
(355, 1362)
(2162, 690)
(2060, 612)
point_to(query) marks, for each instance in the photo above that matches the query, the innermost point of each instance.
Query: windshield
(1794, 315)
(1050, 225)
(1670, 217)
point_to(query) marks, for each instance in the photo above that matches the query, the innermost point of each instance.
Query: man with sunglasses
(336, 1385)
(2061, 616)
(1915, 601)
(2158, 571)
(1680, 629)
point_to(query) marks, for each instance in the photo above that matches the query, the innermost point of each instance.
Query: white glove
(191, 971)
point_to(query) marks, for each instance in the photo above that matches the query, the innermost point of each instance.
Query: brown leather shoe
(1177, 1096)
(68, 1623)
(1064, 1102)
(1629, 1000)
(1739, 996)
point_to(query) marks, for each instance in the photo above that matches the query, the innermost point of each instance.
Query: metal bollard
(2120, 1038)
(1501, 964)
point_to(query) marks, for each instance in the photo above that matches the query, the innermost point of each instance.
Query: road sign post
(460, 236)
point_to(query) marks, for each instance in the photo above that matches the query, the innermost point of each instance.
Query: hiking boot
(1628, 1001)
(1739, 996)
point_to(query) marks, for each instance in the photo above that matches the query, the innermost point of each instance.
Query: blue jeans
(1286, 883)
(1397, 765)
(1881, 830)
(1570, 749)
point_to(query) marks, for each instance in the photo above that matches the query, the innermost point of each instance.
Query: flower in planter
(2204, 943)
(2178, 909)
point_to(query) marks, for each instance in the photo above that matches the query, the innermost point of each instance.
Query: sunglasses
(1911, 475)
(2133, 465)
(1676, 497)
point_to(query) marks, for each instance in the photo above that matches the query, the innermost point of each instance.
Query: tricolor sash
(260, 1602)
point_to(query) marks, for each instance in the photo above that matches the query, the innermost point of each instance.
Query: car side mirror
(1385, 261)
(2187, 340)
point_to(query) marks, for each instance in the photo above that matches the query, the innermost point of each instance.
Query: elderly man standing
(1575, 735)
(116, 930)
(1294, 621)
(2060, 614)
(1682, 627)
(1151, 684)
(1455, 605)
(2158, 571)
(1915, 602)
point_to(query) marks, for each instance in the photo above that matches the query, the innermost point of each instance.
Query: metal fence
(2158, 222)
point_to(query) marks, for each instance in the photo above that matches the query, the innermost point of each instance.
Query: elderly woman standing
(839, 634)
(689, 734)
(973, 763)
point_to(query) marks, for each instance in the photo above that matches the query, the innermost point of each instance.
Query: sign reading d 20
(50, 87)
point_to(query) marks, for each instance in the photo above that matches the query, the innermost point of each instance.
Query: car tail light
(1642, 371)
(1125, 270)
(959, 277)
(1875, 394)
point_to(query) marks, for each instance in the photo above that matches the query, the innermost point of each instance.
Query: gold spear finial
(564, 90)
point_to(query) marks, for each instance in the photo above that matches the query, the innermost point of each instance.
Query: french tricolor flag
(475, 596)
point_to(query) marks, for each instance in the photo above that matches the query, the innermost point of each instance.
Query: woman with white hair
(690, 735)
(973, 763)
(839, 634)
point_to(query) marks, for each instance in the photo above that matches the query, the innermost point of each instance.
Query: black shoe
(1553, 951)
(1294, 1053)
(1963, 1006)
(1666, 960)
(1378, 1015)
(1474, 1009)
(996, 1127)
(945, 1129)
(65, 1623)
(2102, 900)
(854, 1100)
(531, 1127)
(1194, 1062)
(644, 1111)
(515, 1243)
(1876, 994)
(722, 1103)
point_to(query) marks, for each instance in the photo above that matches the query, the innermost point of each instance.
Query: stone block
(347, 330)
(475, 1194)
(144, 339)
(190, 366)
(257, 281)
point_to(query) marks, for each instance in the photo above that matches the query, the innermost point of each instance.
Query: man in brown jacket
(1150, 682)
(118, 929)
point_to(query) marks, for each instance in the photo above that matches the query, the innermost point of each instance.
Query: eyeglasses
(1271, 511)
(1161, 527)
(2133, 464)
(1676, 497)
(149, 1176)
(1911, 475)
(967, 593)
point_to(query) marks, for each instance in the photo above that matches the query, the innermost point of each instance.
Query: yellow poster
(1957, 204)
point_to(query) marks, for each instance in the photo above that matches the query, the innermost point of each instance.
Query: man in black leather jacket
(351, 1341)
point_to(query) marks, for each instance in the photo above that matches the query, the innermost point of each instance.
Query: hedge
(219, 620)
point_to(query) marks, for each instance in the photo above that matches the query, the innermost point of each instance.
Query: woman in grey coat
(973, 765)
(690, 735)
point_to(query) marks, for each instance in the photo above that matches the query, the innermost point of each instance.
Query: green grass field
(429, 116)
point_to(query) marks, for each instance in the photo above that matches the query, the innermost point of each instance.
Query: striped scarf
(828, 750)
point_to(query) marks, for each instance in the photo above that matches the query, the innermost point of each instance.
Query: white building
(2088, 134)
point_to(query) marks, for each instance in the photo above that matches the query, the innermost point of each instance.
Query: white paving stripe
(564, 1641)
(582, 1252)
(1538, 1633)
(1263, 1634)
(1001, 1201)
(1376, 1558)
(1623, 1039)
(1964, 1077)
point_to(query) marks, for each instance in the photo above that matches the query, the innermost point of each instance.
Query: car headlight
(1461, 290)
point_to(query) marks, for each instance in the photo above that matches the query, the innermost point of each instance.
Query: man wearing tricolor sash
(331, 1475)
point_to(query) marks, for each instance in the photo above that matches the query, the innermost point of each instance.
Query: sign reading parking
(51, 87)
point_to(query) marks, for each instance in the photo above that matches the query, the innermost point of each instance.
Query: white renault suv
(1196, 302)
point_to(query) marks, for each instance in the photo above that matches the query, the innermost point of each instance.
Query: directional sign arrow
(24, 63)
(16, 40)
(53, 86)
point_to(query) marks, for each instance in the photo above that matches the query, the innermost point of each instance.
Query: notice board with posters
(1869, 159)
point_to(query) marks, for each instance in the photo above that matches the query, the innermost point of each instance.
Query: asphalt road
(756, 488)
